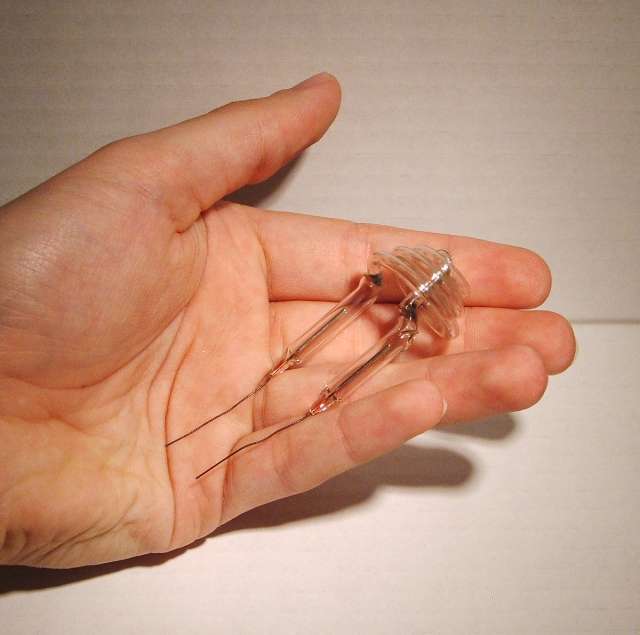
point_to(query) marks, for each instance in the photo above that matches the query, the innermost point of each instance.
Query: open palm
(135, 303)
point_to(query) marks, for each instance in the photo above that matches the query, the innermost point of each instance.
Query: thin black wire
(220, 414)
(306, 415)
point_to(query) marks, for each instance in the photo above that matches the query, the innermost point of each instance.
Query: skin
(135, 302)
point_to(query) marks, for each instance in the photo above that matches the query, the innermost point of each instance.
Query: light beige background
(512, 121)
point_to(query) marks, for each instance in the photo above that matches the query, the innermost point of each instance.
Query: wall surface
(512, 121)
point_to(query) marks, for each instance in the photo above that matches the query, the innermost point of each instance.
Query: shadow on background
(408, 466)
(31, 579)
(494, 428)
(261, 194)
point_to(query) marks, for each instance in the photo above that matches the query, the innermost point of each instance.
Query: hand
(135, 303)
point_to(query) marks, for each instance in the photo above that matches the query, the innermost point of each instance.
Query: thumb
(191, 165)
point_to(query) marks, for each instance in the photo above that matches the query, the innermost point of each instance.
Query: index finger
(315, 258)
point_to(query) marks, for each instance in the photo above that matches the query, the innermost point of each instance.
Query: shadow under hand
(408, 466)
(261, 194)
(494, 428)
(19, 578)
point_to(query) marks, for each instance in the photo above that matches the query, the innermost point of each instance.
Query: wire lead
(256, 390)
(306, 415)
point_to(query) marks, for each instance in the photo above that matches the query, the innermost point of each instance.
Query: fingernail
(319, 78)
(445, 405)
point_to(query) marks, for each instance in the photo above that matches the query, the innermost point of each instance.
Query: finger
(191, 165)
(323, 446)
(313, 258)
(475, 385)
(481, 328)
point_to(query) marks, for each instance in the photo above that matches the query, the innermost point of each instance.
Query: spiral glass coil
(432, 285)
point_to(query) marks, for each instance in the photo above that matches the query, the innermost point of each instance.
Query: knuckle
(283, 458)
(267, 142)
(278, 336)
(258, 141)
(356, 249)
(259, 408)
(348, 448)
